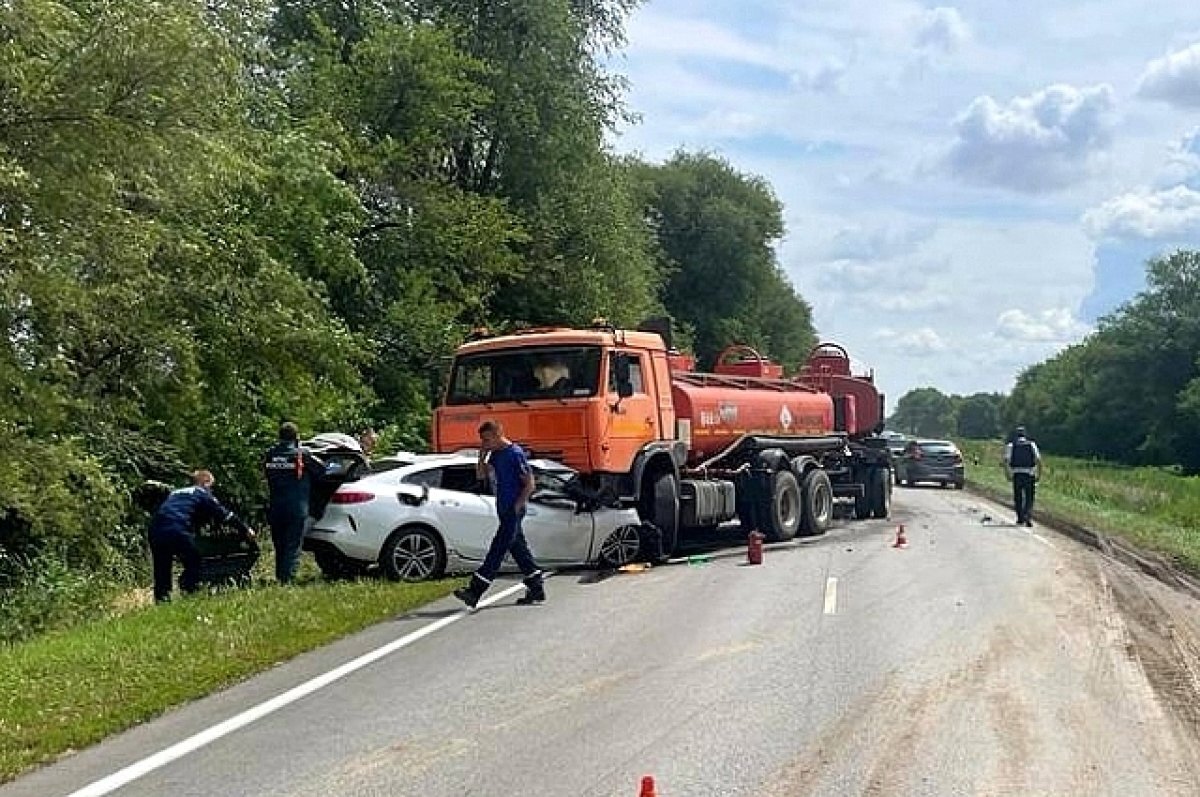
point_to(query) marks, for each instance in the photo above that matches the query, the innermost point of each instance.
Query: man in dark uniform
(1023, 465)
(172, 533)
(291, 470)
(513, 482)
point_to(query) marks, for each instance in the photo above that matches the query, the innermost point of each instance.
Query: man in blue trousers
(173, 529)
(513, 483)
(291, 470)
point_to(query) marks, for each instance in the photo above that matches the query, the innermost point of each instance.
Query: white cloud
(1152, 215)
(726, 123)
(941, 30)
(1183, 162)
(877, 243)
(1055, 325)
(865, 278)
(668, 34)
(1174, 78)
(911, 303)
(825, 78)
(1043, 142)
(921, 341)
(957, 279)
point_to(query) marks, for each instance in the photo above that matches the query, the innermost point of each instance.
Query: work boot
(471, 593)
(535, 590)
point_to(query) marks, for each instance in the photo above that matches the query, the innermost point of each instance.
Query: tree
(1127, 392)
(718, 227)
(148, 293)
(473, 136)
(924, 412)
(978, 416)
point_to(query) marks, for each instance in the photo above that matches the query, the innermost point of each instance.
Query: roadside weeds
(66, 690)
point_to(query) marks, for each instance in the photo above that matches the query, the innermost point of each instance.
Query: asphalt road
(982, 659)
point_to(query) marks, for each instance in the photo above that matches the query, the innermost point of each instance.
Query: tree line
(218, 215)
(1128, 393)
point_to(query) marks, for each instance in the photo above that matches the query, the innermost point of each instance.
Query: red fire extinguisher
(754, 547)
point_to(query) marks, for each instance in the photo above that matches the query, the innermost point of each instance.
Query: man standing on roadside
(291, 470)
(513, 483)
(173, 533)
(1023, 465)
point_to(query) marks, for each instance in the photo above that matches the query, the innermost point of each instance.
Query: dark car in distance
(937, 461)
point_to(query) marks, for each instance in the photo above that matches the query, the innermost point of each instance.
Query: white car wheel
(621, 547)
(412, 554)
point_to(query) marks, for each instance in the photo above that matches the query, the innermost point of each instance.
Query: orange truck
(690, 450)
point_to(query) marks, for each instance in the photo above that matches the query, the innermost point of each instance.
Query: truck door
(666, 404)
(635, 419)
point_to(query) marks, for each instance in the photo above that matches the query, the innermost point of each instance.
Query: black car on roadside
(937, 461)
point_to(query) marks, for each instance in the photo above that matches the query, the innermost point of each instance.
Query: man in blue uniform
(1023, 465)
(291, 470)
(513, 483)
(172, 533)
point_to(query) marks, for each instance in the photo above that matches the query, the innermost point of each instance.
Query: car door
(465, 518)
(634, 418)
(556, 533)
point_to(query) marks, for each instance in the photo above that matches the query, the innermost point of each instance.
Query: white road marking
(147, 765)
(1042, 539)
(830, 595)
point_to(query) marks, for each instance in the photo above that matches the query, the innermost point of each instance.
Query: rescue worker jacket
(291, 470)
(187, 509)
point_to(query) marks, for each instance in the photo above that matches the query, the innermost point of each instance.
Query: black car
(931, 461)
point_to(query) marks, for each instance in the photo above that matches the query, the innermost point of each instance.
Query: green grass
(1156, 509)
(69, 689)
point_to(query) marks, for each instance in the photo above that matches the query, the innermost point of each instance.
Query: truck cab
(593, 399)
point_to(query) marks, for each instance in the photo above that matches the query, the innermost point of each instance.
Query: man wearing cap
(1023, 465)
(173, 529)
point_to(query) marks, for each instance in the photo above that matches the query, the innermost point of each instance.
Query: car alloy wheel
(413, 556)
(621, 547)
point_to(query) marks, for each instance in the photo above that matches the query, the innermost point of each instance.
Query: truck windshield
(545, 372)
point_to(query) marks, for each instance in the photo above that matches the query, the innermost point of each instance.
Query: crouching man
(173, 533)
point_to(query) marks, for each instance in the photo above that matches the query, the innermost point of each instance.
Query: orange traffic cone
(901, 540)
(648, 788)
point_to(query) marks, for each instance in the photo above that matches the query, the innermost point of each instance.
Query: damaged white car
(428, 515)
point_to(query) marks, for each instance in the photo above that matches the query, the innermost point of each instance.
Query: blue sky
(967, 187)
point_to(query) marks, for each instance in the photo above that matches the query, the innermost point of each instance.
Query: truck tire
(663, 508)
(880, 482)
(785, 509)
(862, 503)
(818, 503)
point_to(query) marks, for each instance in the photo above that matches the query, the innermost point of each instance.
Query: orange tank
(719, 409)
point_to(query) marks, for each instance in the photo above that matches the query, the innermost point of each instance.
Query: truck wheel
(664, 510)
(863, 503)
(785, 508)
(818, 503)
(881, 492)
